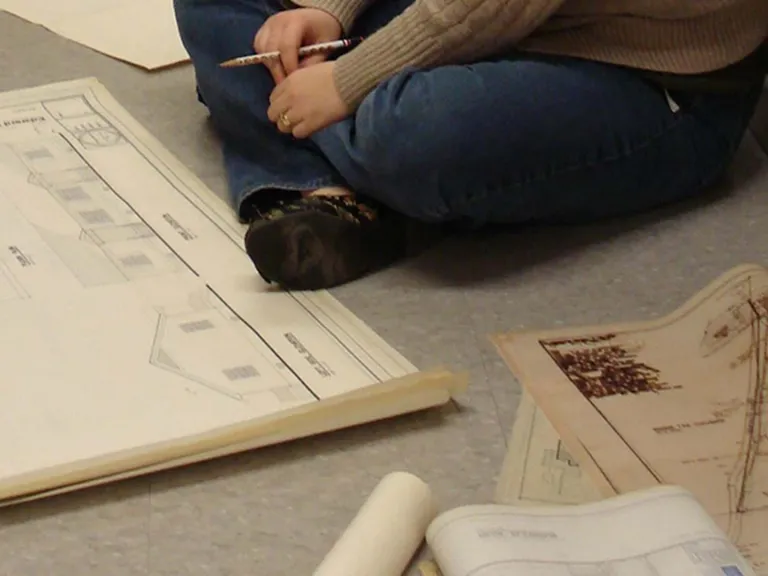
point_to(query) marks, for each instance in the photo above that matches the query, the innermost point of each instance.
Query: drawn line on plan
(10, 287)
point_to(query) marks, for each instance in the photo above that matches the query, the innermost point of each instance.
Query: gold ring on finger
(283, 121)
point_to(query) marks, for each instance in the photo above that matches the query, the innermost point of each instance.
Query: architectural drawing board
(133, 318)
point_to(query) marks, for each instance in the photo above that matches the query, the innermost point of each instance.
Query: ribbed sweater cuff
(404, 42)
(345, 11)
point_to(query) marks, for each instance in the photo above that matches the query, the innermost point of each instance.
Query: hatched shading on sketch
(602, 366)
(678, 400)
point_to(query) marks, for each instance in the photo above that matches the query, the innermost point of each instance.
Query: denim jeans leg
(257, 156)
(533, 139)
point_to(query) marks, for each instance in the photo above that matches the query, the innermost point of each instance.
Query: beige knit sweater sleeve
(431, 33)
(345, 11)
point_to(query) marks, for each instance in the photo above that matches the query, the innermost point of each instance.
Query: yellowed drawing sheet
(141, 32)
(136, 333)
(678, 400)
(538, 468)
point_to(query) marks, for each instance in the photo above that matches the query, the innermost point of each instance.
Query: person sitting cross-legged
(465, 112)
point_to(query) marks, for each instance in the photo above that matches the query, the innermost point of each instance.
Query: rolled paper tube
(387, 531)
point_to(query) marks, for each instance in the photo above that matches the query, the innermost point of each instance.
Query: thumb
(313, 59)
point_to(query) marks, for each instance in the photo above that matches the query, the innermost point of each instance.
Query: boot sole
(307, 251)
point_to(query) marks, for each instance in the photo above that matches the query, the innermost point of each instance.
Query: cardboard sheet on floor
(137, 335)
(677, 400)
(141, 32)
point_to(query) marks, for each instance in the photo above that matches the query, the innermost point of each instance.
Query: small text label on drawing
(311, 360)
(504, 533)
(687, 425)
(23, 121)
(23, 260)
(183, 232)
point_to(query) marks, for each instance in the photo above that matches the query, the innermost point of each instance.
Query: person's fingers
(289, 43)
(266, 40)
(273, 113)
(258, 39)
(287, 118)
(266, 34)
(302, 130)
(279, 92)
(313, 59)
(276, 69)
(277, 107)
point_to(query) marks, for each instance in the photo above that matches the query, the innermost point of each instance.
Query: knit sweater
(681, 37)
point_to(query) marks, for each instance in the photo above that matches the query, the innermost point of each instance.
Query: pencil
(303, 51)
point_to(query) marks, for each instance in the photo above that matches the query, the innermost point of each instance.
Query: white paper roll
(387, 531)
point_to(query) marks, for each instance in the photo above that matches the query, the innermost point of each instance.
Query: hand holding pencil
(293, 45)
(289, 40)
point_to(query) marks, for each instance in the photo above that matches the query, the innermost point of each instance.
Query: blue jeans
(516, 139)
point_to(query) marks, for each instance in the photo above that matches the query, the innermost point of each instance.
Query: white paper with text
(660, 532)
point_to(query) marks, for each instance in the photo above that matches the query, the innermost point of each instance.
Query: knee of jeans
(392, 148)
(387, 124)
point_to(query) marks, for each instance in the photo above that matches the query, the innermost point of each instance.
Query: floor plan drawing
(130, 279)
(538, 468)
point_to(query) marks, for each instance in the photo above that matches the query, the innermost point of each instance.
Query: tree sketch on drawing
(740, 478)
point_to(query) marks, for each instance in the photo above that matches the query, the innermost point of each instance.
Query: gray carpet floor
(278, 511)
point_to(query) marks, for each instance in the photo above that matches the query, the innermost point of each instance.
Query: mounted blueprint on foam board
(141, 32)
(136, 334)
